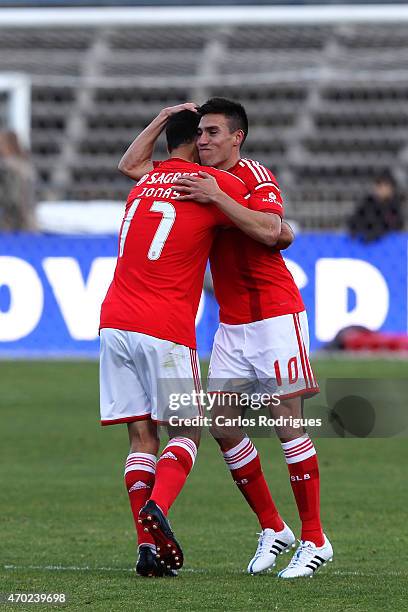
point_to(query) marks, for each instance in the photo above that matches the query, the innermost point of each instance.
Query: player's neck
(229, 163)
(186, 153)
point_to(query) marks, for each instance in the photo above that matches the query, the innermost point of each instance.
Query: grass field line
(189, 570)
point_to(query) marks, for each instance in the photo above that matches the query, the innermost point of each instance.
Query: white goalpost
(17, 111)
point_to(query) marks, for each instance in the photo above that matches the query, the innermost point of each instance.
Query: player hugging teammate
(262, 342)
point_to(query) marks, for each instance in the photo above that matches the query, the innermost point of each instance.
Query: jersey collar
(234, 167)
(177, 161)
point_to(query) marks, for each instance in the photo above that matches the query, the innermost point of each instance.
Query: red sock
(173, 467)
(245, 465)
(302, 463)
(139, 479)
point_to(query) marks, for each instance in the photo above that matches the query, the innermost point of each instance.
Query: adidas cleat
(169, 555)
(147, 565)
(270, 545)
(146, 562)
(307, 559)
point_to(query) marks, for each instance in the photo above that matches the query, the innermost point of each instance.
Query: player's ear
(239, 138)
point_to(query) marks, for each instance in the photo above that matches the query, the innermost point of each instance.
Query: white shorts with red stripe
(268, 356)
(141, 377)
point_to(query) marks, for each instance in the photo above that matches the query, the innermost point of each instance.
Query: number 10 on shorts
(292, 371)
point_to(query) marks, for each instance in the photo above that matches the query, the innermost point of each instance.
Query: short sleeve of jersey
(267, 198)
(262, 184)
(233, 186)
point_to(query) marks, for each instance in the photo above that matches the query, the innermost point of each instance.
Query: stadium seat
(326, 104)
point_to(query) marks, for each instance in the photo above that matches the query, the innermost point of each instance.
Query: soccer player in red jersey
(147, 328)
(262, 339)
(148, 344)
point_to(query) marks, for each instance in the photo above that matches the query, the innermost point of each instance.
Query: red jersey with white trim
(163, 250)
(251, 280)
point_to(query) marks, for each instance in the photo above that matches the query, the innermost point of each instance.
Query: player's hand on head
(202, 188)
(172, 110)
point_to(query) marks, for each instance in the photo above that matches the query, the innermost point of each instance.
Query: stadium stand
(327, 103)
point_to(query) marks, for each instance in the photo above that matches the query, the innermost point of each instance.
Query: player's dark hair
(181, 129)
(234, 111)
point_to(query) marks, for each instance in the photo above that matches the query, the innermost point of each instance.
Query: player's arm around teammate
(261, 226)
(137, 161)
(261, 344)
(286, 237)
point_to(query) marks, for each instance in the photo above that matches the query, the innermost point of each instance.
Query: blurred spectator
(17, 177)
(380, 212)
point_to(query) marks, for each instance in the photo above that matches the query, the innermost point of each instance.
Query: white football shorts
(270, 356)
(143, 377)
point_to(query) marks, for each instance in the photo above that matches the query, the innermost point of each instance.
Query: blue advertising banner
(51, 288)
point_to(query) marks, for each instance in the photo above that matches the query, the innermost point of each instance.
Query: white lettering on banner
(79, 300)
(334, 277)
(80, 303)
(27, 299)
(297, 272)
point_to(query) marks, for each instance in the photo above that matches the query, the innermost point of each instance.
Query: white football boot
(270, 545)
(307, 559)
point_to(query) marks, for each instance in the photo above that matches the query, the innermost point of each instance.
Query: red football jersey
(163, 250)
(251, 280)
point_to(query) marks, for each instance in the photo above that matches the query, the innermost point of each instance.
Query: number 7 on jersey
(156, 246)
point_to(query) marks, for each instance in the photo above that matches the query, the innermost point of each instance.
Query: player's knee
(291, 426)
(226, 437)
(143, 437)
(217, 431)
(289, 414)
(144, 445)
(287, 434)
(193, 433)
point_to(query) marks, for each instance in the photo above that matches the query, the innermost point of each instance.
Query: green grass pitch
(65, 525)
